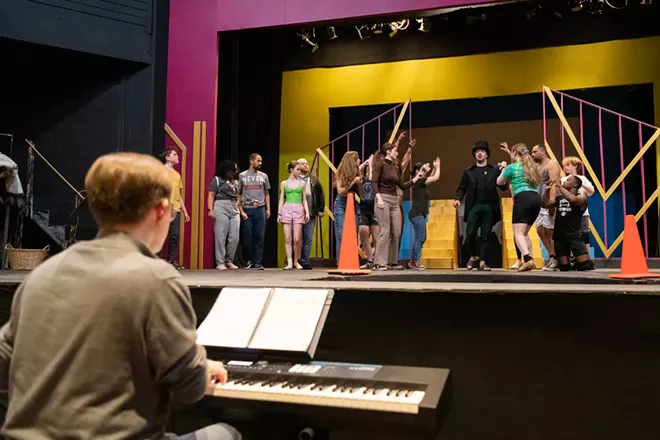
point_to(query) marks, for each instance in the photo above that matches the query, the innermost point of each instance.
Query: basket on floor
(25, 259)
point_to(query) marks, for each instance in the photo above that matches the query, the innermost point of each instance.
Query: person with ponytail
(523, 176)
(386, 180)
(347, 180)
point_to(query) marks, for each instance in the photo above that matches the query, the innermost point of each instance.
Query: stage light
(364, 31)
(332, 34)
(577, 5)
(397, 26)
(378, 28)
(305, 36)
(424, 24)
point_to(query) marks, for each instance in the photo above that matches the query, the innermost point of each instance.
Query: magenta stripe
(607, 110)
(368, 122)
(582, 139)
(623, 182)
(394, 122)
(379, 133)
(545, 127)
(602, 170)
(561, 131)
(332, 198)
(410, 136)
(646, 227)
(363, 128)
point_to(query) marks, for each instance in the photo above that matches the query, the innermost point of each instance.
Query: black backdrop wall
(80, 81)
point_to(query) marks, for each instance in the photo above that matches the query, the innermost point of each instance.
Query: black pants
(173, 239)
(480, 216)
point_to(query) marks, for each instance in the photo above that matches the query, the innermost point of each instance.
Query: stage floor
(435, 280)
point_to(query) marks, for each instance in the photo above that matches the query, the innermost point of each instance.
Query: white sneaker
(221, 267)
(298, 266)
(516, 265)
(552, 266)
(231, 265)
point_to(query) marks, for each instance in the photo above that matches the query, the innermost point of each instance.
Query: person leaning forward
(102, 335)
(478, 191)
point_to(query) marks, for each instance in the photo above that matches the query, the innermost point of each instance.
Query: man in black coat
(316, 204)
(478, 191)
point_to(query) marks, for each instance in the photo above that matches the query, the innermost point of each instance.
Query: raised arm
(549, 198)
(436, 172)
(573, 199)
(587, 186)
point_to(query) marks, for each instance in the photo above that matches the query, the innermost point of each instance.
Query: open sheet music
(263, 319)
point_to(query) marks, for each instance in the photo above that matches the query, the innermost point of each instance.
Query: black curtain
(249, 99)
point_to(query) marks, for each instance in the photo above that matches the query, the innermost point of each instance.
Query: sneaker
(305, 266)
(257, 267)
(415, 266)
(396, 267)
(231, 265)
(221, 267)
(552, 266)
(529, 265)
(367, 265)
(516, 265)
(248, 265)
(298, 266)
(483, 267)
(381, 268)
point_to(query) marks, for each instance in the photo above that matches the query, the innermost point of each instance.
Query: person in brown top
(386, 179)
(102, 336)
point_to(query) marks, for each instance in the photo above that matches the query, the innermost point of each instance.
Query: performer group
(239, 203)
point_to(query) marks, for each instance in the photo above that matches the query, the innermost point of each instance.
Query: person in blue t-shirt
(523, 176)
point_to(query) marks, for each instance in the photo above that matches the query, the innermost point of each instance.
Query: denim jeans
(307, 238)
(339, 214)
(254, 230)
(219, 431)
(419, 226)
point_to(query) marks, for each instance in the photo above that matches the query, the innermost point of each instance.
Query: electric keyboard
(411, 392)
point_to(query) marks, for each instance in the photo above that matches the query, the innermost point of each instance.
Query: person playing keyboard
(102, 335)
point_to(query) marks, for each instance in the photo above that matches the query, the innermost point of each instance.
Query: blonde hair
(348, 169)
(572, 160)
(123, 187)
(530, 167)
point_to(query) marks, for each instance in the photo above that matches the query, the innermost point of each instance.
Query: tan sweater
(101, 336)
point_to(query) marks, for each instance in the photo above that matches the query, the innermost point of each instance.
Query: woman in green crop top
(293, 213)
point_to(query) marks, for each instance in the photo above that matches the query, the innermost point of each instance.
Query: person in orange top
(171, 158)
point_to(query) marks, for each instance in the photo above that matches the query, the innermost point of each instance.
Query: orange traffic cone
(349, 261)
(633, 262)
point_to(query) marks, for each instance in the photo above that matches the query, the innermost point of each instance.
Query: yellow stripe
(639, 155)
(202, 196)
(194, 234)
(576, 144)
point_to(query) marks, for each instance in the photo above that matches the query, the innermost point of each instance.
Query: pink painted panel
(242, 14)
(191, 87)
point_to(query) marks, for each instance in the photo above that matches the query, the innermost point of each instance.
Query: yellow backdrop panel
(308, 94)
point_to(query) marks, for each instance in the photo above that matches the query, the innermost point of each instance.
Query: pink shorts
(293, 213)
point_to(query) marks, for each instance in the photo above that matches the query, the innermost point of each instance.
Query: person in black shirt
(482, 202)
(419, 209)
(222, 204)
(567, 234)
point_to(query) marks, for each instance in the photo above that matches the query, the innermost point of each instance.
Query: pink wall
(243, 14)
(193, 62)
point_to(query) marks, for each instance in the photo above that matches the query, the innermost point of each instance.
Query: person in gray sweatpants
(222, 203)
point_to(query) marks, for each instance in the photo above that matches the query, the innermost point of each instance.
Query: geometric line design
(607, 251)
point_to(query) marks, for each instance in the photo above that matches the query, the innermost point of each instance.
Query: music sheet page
(233, 318)
(290, 321)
